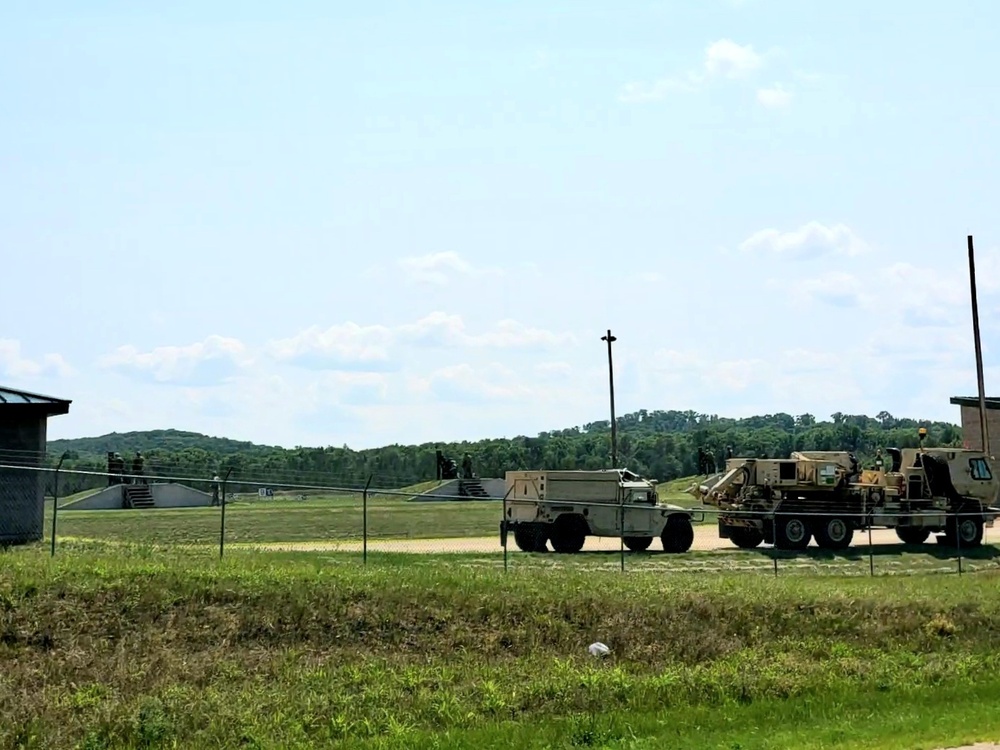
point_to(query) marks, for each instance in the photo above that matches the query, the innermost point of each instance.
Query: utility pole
(979, 351)
(611, 381)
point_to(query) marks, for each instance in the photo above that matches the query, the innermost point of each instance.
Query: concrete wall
(448, 491)
(972, 433)
(165, 495)
(22, 491)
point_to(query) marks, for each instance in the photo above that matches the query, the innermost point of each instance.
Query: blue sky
(392, 222)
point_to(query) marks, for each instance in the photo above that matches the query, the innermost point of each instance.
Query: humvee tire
(529, 539)
(638, 543)
(569, 534)
(677, 535)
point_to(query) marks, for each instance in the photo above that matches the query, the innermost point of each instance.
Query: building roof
(973, 401)
(11, 399)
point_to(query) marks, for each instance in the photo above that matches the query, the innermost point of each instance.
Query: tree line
(662, 445)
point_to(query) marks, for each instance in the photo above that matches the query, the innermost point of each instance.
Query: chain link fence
(437, 524)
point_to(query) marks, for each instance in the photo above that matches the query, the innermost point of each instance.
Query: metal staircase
(137, 496)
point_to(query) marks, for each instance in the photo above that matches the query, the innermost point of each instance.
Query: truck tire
(745, 538)
(638, 543)
(569, 534)
(529, 539)
(833, 533)
(964, 531)
(791, 532)
(912, 534)
(678, 534)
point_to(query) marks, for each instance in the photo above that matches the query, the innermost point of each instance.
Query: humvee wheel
(834, 533)
(791, 533)
(638, 543)
(569, 533)
(745, 538)
(677, 535)
(529, 539)
(912, 534)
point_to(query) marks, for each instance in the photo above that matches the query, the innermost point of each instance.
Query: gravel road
(706, 538)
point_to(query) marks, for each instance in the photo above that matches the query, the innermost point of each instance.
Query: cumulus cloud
(464, 383)
(345, 346)
(774, 97)
(439, 329)
(14, 364)
(440, 268)
(723, 59)
(208, 362)
(812, 240)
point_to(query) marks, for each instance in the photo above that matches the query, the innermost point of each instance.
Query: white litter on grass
(598, 649)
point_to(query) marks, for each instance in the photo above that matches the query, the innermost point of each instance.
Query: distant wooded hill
(661, 445)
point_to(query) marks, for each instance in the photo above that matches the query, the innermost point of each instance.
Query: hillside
(659, 444)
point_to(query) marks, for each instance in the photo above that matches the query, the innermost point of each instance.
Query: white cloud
(811, 240)
(468, 384)
(442, 330)
(723, 59)
(728, 59)
(208, 362)
(15, 365)
(774, 97)
(440, 268)
(347, 346)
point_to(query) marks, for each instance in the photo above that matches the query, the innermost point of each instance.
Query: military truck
(565, 507)
(828, 496)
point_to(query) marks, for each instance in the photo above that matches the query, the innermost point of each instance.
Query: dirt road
(706, 538)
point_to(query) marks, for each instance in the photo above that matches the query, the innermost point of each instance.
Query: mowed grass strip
(315, 519)
(252, 651)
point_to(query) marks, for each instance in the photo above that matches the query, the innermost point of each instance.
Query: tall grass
(114, 651)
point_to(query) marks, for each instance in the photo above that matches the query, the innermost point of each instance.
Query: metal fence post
(958, 538)
(871, 549)
(774, 545)
(622, 535)
(222, 521)
(55, 502)
(364, 521)
(503, 529)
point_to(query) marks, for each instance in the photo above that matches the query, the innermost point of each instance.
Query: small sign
(265, 492)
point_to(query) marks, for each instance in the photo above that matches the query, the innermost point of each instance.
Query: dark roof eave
(973, 401)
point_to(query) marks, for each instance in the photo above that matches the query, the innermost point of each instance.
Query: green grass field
(292, 651)
(317, 517)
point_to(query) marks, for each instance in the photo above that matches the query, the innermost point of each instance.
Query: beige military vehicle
(828, 496)
(565, 507)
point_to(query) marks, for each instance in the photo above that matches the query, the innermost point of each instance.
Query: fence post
(958, 538)
(774, 545)
(364, 521)
(55, 502)
(871, 549)
(503, 529)
(222, 521)
(622, 534)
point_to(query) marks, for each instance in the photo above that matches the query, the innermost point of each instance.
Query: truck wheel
(677, 535)
(569, 534)
(746, 538)
(912, 534)
(638, 543)
(791, 532)
(965, 531)
(529, 539)
(834, 533)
